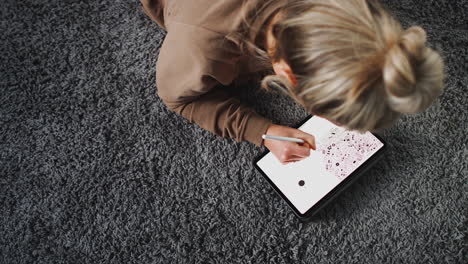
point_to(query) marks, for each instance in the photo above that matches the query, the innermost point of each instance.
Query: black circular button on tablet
(301, 183)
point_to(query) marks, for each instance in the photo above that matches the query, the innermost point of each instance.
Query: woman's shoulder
(219, 16)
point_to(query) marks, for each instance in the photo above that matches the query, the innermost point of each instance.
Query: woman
(348, 61)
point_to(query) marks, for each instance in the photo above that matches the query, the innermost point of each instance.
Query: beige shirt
(198, 54)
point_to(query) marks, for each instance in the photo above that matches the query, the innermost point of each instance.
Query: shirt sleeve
(192, 62)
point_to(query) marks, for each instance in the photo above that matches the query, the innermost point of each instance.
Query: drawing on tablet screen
(339, 153)
(342, 150)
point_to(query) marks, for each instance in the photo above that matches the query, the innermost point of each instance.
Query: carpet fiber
(95, 169)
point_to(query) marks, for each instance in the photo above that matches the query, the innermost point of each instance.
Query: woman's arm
(223, 115)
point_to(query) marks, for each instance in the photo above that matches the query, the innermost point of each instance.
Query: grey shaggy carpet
(95, 169)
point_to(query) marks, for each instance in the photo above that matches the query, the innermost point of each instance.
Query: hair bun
(414, 40)
(407, 68)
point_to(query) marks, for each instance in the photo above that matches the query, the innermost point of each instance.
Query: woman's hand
(286, 151)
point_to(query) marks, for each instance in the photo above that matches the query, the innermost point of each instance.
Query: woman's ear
(282, 69)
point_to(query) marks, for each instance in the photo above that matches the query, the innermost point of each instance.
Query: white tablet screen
(339, 153)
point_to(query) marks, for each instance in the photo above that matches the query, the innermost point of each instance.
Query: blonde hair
(353, 61)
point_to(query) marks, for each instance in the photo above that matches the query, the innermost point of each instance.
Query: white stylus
(283, 138)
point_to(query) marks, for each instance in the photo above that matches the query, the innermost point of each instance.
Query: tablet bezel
(336, 190)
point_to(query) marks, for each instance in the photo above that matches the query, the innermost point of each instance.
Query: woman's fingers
(300, 151)
(295, 158)
(289, 161)
(308, 138)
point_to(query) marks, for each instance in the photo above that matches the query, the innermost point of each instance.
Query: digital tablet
(340, 158)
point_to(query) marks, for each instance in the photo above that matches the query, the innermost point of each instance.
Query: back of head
(354, 62)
